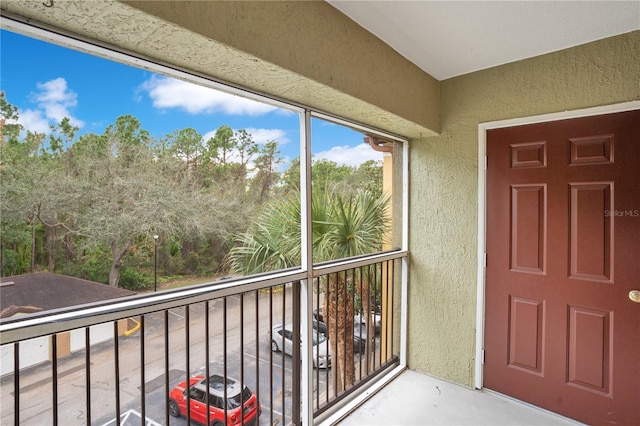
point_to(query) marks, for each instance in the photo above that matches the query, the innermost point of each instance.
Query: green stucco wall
(443, 212)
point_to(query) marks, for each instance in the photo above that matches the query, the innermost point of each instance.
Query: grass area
(182, 282)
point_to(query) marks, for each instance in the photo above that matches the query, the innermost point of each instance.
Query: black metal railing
(119, 362)
(355, 303)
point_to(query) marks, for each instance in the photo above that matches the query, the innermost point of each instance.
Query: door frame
(482, 205)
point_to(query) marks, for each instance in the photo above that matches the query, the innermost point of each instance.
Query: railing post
(296, 359)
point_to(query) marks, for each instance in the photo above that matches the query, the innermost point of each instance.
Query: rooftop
(44, 291)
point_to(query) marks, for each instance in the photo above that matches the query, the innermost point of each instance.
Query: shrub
(132, 279)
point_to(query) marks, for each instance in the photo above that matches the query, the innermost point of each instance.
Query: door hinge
(486, 162)
(485, 260)
(483, 357)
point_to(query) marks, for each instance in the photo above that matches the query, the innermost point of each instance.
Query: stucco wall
(443, 214)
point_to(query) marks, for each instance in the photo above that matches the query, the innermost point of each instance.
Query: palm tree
(344, 225)
(272, 241)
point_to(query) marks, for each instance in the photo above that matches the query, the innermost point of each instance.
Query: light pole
(155, 262)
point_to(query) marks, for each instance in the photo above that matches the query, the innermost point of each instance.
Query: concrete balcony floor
(418, 399)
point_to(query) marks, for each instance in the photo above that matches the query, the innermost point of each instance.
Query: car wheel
(174, 410)
(274, 346)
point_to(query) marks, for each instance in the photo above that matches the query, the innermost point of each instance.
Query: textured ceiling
(451, 38)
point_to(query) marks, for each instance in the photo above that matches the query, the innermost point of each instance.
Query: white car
(282, 341)
(376, 320)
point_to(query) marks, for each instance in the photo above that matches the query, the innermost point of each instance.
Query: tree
(246, 147)
(355, 224)
(8, 124)
(291, 176)
(266, 175)
(326, 174)
(219, 147)
(98, 193)
(136, 195)
(222, 173)
(30, 181)
(11, 151)
(186, 145)
(369, 176)
(344, 225)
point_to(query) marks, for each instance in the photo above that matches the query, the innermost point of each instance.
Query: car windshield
(318, 337)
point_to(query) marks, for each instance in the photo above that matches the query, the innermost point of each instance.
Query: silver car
(282, 341)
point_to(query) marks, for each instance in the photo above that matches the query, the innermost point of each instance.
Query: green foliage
(132, 279)
(173, 266)
(16, 249)
(369, 177)
(221, 145)
(11, 264)
(344, 225)
(328, 176)
(266, 175)
(10, 127)
(191, 263)
(90, 204)
(93, 266)
(272, 242)
(186, 144)
(357, 224)
(325, 173)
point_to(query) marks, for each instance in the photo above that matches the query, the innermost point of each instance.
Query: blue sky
(49, 82)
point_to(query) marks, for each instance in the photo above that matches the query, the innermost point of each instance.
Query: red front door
(563, 254)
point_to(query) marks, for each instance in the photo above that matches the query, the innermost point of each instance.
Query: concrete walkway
(417, 399)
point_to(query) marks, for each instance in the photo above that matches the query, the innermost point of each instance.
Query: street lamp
(155, 262)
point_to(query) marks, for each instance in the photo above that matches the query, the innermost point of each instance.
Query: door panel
(528, 224)
(591, 247)
(563, 253)
(526, 320)
(590, 347)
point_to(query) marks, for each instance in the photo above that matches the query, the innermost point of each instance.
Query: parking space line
(179, 316)
(266, 361)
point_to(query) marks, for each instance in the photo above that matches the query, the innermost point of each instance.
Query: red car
(198, 401)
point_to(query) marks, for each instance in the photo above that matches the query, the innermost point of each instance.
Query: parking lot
(265, 372)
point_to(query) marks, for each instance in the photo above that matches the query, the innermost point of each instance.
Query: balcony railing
(117, 362)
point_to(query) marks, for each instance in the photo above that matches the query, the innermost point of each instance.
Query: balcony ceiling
(451, 38)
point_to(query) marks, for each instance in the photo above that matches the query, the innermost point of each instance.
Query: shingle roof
(48, 291)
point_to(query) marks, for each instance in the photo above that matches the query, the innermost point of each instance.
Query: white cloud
(34, 121)
(263, 136)
(169, 93)
(54, 101)
(349, 155)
